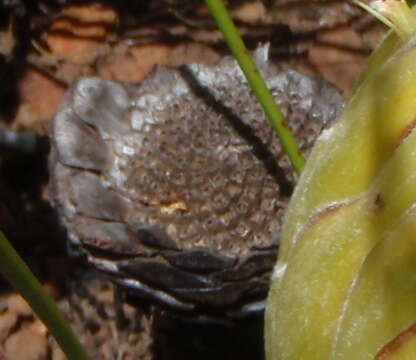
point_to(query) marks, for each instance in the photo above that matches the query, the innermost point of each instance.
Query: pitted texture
(177, 187)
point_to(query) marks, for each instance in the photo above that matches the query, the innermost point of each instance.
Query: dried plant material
(108, 328)
(193, 136)
(121, 65)
(19, 305)
(28, 337)
(337, 66)
(73, 49)
(40, 96)
(396, 14)
(79, 33)
(310, 16)
(91, 308)
(92, 13)
(20, 330)
(7, 323)
(172, 207)
(250, 12)
(7, 41)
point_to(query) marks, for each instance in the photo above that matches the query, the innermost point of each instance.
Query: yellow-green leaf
(344, 287)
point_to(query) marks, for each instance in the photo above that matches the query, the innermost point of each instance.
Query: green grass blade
(256, 82)
(19, 275)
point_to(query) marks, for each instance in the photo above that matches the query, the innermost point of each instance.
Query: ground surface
(44, 47)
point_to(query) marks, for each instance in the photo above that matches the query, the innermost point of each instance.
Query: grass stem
(19, 275)
(256, 83)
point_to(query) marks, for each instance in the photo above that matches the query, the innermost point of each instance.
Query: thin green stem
(19, 275)
(256, 82)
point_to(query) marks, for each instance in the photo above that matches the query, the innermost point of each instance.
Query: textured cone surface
(175, 188)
